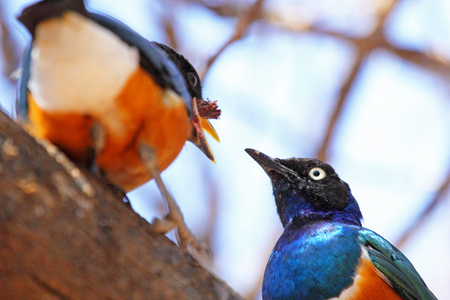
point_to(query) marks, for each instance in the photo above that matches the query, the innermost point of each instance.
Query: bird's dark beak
(270, 164)
(198, 136)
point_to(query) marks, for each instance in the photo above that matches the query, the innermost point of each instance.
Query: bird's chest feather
(154, 117)
(312, 262)
(82, 74)
(322, 261)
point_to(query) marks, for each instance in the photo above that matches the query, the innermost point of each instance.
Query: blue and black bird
(324, 253)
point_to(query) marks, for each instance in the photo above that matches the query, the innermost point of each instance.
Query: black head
(307, 188)
(189, 73)
(33, 14)
(194, 86)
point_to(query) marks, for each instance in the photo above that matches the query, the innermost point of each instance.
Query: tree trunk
(58, 242)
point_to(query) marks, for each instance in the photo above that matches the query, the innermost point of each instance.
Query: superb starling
(324, 253)
(107, 97)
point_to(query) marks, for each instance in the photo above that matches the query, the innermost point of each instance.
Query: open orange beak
(198, 137)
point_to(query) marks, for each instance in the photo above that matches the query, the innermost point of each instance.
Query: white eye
(317, 173)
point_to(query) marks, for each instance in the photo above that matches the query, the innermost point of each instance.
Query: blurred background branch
(439, 196)
(244, 21)
(168, 24)
(9, 46)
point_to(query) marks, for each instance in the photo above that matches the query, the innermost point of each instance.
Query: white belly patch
(78, 65)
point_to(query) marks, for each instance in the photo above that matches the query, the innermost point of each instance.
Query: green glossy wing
(395, 266)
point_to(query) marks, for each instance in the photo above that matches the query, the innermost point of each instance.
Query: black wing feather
(22, 92)
(153, 59)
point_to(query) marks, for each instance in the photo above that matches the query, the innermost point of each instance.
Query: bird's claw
(162, 225)
(185, 237)
(174, 219)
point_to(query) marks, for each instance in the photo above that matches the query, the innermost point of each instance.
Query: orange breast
(144, 114)
(70, 132)
(369, 284)
(159, 123)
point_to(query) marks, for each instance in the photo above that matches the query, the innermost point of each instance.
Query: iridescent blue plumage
(324, 252)
(312, 261)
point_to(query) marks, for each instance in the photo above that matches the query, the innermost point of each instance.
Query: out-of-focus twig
(224, 8)
(11, 56)
(385, 7)
(429, 61)
(438, 197)
(364, 46)
(213, 200)
(270, 242)
(167, 21)
(340, 102)
(169, 29)
(244, 22)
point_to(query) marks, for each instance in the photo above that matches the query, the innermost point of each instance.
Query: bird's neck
(291, 207)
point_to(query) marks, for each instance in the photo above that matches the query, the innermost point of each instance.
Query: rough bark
(57, 242)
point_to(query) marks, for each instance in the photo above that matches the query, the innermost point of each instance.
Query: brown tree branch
(8, 45)
(241, 28)
(167, 21)
(430, 62)
(322, 152)
(438, 197)
(385, 8)
(224, 8)
(211, 222)
(57, 242)
(364, 47)
(169, 29)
